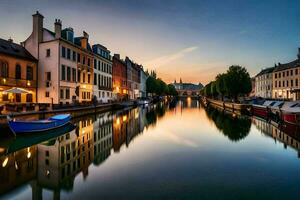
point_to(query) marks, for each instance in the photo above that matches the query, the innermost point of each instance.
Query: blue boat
(38, 125)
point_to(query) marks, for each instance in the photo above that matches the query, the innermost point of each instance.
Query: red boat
(290, 112)
(264, 109)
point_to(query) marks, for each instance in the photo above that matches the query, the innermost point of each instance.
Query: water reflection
(51, 161)
(235, 127)
(287, 134)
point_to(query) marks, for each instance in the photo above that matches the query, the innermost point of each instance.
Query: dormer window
(70, 36)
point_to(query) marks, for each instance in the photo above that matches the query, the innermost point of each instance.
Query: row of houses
(56, 67)
(279, 82)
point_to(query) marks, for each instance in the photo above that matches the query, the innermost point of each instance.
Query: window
(83, 77)
(4, 69)
(89, 62)
(68, 53)
(18, 72)
(63, 72)
(279, 75)
(296, 82)
(47, 94)
(63, 52)
(61, 93)
(283, 74)
(67, 93)
(78, 57)
(89, 78)
(279, 84)
(29, 73)
(18, 97)
(48, 53)
(292, 83)
(74, 56)
(291, 72)
(73, 75)
(68, 73)
(287, 83)
(287, 73)
(99, 63)
(83, 60)
(48, 76)
(95, 64)
(78, 76)
(47, 153)
(275, 75)
(296, 71)
(28, 98)
(283, 83)
(95, 79)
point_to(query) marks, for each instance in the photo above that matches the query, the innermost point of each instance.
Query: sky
(189, 39)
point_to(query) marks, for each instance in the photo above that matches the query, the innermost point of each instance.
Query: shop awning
(16, 90)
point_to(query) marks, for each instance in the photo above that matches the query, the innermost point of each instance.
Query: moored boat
(290, 112)
(38, 125)
(263, 110)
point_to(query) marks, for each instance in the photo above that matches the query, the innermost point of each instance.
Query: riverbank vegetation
(157, 87)
(234, 83)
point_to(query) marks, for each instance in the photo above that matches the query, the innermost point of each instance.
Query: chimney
(298, 53)
(85, 40)
(37, 31)
(117, 56)
(10, 40)
(57, 28)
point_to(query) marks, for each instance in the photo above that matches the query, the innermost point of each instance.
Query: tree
(172, 90)
(237, 81)
(220, 85)
(213, 89)
(151, 85)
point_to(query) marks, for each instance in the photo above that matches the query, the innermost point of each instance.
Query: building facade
(65, 63)
(286, 80)
(18, 69)
(102, 74)
(119, 76)
(143, 79)
(264, 83)
(187, 89)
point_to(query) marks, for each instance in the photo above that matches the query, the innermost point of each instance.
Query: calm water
(180, 151)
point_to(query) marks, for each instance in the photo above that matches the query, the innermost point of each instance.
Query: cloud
(163, 60)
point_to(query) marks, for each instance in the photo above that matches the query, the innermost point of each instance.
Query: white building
(102, 88)
(63, 63)
(264, 83)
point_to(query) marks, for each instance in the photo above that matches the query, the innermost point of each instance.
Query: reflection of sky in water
(185, 156)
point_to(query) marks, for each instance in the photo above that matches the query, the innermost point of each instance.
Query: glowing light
(124, 118)
(28, 153)
(5, 162)
(118, 89)
(118, 121)
(84, 86)
(16, 165)
(28, 83)
(4, 80)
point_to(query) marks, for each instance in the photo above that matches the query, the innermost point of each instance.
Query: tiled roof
(290, 65)
(16, 50)
(266, 71)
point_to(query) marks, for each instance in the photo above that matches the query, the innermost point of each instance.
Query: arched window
(18, 72)
(3, 69)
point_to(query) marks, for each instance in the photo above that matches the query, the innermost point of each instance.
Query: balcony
(22, 83)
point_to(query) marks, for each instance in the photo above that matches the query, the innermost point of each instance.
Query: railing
(17, 82)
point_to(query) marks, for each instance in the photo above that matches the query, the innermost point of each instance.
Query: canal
(164, 151)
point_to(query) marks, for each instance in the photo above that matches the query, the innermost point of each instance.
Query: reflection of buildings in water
(102, 138)
(54, 164)
(127, 126)
(289, 135)
(61, 159)
(17, 168)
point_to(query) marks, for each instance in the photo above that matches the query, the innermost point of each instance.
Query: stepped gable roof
(290, 65)
(265, 71)
(16, 50)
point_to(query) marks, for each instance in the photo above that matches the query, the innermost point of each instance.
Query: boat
(26, 140)
(290, 112)
(263, 110)
(38, 125)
